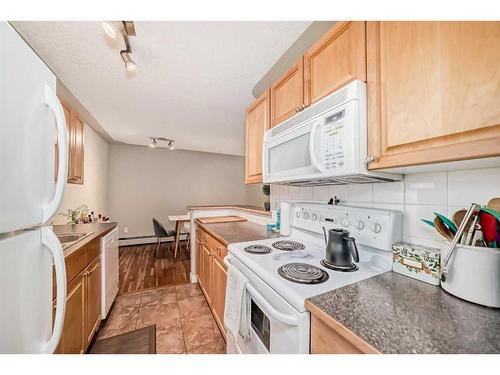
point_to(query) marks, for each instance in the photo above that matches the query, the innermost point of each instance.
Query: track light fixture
(126, 29)
(155, 140)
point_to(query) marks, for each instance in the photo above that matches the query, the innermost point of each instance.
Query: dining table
(179, 221)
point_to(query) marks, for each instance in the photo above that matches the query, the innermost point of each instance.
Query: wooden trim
(358, 343)
(373, 88)
(264, 98)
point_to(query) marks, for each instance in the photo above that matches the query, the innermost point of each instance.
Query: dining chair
(161, 232)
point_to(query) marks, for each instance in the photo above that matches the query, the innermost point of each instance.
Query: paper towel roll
(286, 219)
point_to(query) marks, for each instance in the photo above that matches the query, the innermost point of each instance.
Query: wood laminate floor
(141, 270)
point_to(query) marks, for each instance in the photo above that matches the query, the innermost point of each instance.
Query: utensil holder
(474, 274)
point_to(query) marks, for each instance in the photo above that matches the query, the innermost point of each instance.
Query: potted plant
(266, 189)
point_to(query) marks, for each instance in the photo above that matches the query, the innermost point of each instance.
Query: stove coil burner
(258, 249)
(351, 268)
(303, 273)
(287, 245)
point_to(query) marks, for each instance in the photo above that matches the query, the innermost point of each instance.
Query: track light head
(130, 64)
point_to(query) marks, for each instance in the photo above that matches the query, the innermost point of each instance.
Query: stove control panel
(369, 226)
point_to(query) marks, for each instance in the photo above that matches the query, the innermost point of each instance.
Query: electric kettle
(341, 250)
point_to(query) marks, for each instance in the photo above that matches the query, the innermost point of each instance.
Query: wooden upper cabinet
(335, 60)
(78, 150)
(287, 94)
(433, 91)
(75, 127)
(257, 122)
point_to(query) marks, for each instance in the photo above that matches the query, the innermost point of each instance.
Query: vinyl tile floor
(184, 323)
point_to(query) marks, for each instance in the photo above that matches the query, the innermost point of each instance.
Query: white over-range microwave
(326, 144)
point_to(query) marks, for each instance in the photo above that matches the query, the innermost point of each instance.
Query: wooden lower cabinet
(219, 278)
(83, 310)
(93, 299)
(72, 338)
(207, 273)
(211, 273)
(330, 337)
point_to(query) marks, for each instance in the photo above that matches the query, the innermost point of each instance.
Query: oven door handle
(312, 146)
(257, 297)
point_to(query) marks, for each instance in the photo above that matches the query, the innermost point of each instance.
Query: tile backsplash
(417, 196)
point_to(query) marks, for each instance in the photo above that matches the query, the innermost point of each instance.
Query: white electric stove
(284, 272)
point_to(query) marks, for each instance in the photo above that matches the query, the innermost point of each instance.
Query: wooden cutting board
(220, 219)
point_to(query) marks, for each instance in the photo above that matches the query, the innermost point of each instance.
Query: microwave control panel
(333, 139)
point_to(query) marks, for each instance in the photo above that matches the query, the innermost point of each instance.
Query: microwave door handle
(312, 147)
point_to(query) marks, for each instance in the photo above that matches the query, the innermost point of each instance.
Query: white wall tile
(321, 193)
(478, 186)
(294, 193)
(426, 188)
(305, 193)
(359, 193)
(389, 192)
(390, 206)
(413, 225)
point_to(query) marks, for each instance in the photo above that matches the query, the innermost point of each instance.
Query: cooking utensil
(489, 227)
(450, 224)
(442, 229)
(474, 208)
(428, 222)
(458, 216)
(492, 212)
(467, 240)
(494, 204)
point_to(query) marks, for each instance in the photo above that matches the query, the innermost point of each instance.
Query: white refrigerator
(31, 119)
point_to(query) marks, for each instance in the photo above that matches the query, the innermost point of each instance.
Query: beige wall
(146, 183)
(94, 191)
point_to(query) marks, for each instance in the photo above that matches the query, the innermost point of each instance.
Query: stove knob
(314, 217)
(305, 215)
(345, 222)
(360, 225)
(376, 227)
(297, 214)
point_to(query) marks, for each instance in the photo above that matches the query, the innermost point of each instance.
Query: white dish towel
(237, 308)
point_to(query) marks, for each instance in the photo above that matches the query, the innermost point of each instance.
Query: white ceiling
(193, 81)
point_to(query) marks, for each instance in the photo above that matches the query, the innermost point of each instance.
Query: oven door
(294, 154)
(276, 326)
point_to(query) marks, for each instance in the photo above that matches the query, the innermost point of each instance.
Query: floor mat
(139, 341)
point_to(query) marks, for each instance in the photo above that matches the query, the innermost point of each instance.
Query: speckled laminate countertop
(240, 231)
(251, 209)
(397, 314)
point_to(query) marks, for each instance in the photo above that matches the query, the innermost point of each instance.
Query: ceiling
(193, 81)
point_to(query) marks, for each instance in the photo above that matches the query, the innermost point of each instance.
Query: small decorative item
(266, 189)
(77, 215)
(420, 262)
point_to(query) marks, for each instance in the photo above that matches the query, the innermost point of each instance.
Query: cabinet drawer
(217, 247)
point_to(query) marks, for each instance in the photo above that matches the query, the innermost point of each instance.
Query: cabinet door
(335, 60)
(287, 94)
(72, 338)
(78, 151)
(219, 278)
(199, 262)
(68, 118)
(257, 122)
(92, 298)
(207, 273)
(433, 91)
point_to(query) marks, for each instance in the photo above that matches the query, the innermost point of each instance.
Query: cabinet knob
(297, 109)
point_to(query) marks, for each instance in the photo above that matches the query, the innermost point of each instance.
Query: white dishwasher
(109, 267)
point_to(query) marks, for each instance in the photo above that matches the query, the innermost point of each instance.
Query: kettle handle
(324, 233)
(354, 248)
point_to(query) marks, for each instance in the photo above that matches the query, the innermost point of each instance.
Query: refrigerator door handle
(54, 104)
(50, 240)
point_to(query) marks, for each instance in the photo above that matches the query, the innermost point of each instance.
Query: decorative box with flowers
(420, 262)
